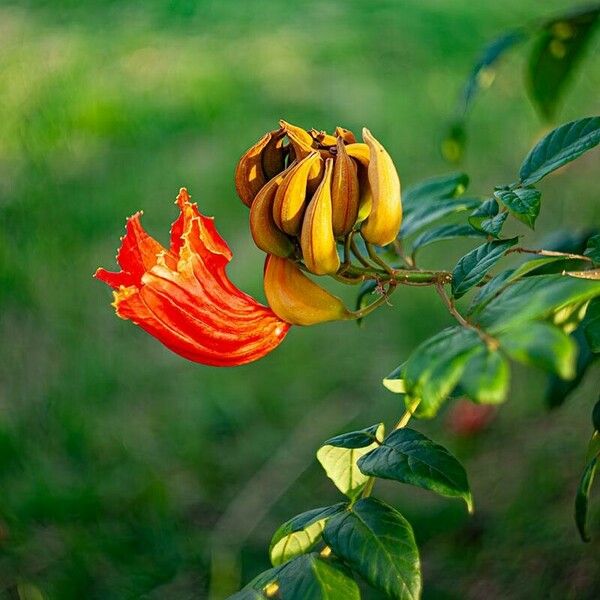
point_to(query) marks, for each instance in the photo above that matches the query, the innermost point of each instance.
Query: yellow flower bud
(296, 299)
(344, 191)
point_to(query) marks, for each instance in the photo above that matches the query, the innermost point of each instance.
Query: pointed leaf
(410, 457)
(428, 213)
(434, 188)
(523, 203)
(472, 267)
(340, 466)
(435, 367)
(395, 381)
(298, 535)
(377, 542)
(358, 439)
(560, 146)
(487, 218)
(535, 297)
(593, 249)
(486, 377)
(556, 54)
(308, 577)
(582, 499)
(541, 345)
(444, 232)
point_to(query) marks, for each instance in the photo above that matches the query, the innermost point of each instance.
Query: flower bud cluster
(308, 190)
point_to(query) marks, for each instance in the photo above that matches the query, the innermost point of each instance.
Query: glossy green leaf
(486, 377)
(434, 188)
(444, 232)
(535, 297)
(298, 535)
(473, 267)
(591, 325)
(542, 345)
(435, 367)
(308, 577)
(395, 381)
(530, 266)
(410, 457)
(428, 213)
(523, 203)
(490, 290)
(558, 390)
(582, 497)
(555, 56)
(340, 465)
(377, 542)
(487, 218)
(358, 439)
(593, 249)
(560, 146)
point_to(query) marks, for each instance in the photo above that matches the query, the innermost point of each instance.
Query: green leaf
(308, 577)
(555, 55)
(591, 325)
(428, 213)
(523, 203)
(559, 390)
(435, 367)
(559, 147)
(486, 377)
(535, 297)
(444, 232)
(340, 466)
(358, 439)
(529, 266)
(395, 381)
(377, 542)
(489, 291)
(472, 267)
(298, 535)
(593, 249)
(434, 188)
(541, 345)
(487, 219)
(582, 498)
(410, 457)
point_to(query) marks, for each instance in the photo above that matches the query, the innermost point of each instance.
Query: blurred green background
(124, 467)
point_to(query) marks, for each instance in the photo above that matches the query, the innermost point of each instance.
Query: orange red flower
(183, 297)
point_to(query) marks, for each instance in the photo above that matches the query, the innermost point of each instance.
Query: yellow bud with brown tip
(383, 223)
(300, 140)
(345, 134)
(290, 198)
(296, 299)
(249, 174)
(264, 231)
(344, 191)
(319, 250)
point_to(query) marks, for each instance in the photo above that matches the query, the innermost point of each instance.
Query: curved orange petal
(183, 297)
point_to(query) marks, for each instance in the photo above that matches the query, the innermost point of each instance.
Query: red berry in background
(466, 419)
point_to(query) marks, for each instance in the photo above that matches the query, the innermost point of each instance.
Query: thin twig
(542, 252)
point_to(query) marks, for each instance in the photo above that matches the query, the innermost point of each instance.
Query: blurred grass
(117, 458)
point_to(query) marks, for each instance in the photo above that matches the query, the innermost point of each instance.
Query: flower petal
(183, 297)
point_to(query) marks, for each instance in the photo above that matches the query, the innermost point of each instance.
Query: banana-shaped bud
(344, 191)
(319, 251)
(345, 134)
(273, 155)
(300, 140)
(296, 299)
(249, 175)
(383, 223)
(289, 203)
(265, 233)
(360, 152)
